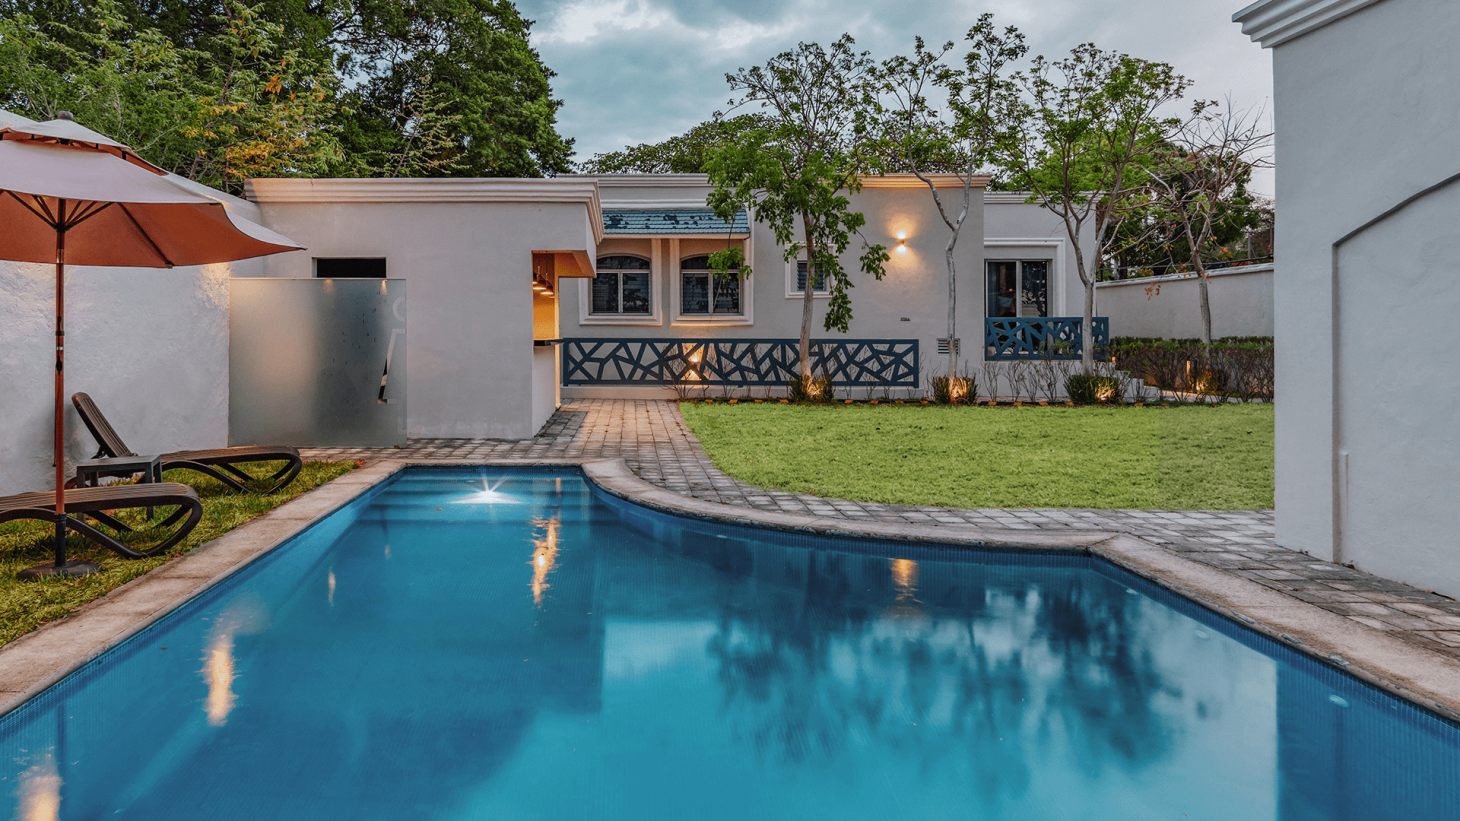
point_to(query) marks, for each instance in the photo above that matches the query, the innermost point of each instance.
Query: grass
(26, 605)
(1181, 457)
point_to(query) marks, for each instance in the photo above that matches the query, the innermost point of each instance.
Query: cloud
(632, 71)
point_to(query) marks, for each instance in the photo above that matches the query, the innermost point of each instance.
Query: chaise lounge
(208, 462)
(99, 503)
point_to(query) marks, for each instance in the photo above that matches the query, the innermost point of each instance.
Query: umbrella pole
(60, 442)
(61, 567)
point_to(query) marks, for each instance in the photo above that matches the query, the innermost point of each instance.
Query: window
(818, 282)
(621, 286)
(350, 268)
(702, 291)
(1018, 288)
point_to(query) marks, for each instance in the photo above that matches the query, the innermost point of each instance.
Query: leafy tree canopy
(421, 87)
(684, 154)
(243, 105)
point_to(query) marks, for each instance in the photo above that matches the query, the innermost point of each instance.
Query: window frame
(648, 269)
(792, 292)
(586, 316)
(1032, 249)
(746, 316)
(1019, 302)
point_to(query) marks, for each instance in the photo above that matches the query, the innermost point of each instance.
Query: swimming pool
(484, 644)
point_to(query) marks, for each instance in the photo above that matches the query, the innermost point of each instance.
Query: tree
(1080, 138)
(246, 106)
(796, 166)
(917, 137)
(684, 154)
(420, 88)
(1206, 165)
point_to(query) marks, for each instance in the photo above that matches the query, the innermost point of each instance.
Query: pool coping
(39, 659)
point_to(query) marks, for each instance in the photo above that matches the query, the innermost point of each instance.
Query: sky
(634, 71)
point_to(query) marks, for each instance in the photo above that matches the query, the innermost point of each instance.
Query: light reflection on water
(650, 671)
(39, 795)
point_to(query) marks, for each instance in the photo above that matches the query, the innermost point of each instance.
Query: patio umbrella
(71, 195)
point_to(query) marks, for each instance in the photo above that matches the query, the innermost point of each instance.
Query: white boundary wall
(1367, 106)
(1169, 307)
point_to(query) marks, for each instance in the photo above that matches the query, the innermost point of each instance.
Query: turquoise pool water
(481, 644)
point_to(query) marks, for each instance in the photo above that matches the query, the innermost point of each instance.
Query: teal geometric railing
(740, 362)
(1054, 337)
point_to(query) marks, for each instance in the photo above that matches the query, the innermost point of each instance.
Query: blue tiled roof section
(671, 221)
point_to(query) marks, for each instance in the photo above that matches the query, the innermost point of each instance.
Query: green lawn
(26, 605)
(1177, 457)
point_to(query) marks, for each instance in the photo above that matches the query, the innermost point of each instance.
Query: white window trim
(791, 290)
(655, 315)
(747, 297)
(1058, 296)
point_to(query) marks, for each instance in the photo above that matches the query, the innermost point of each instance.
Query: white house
(1367, 107)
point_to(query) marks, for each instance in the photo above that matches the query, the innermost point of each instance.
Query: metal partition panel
(317, 362)
(1056, 337)
(741, 362)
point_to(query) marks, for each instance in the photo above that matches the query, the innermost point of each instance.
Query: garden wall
(1168, 307)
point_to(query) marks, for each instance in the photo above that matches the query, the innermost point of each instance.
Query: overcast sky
(632, 71)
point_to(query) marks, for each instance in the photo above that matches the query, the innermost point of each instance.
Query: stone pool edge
(39, 659)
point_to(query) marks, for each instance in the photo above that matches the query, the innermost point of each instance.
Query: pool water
(487, 644)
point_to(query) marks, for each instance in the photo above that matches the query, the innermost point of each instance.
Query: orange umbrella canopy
(71, 195)
(117, 208)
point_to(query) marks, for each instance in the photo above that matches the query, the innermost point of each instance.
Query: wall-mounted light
(902, 242)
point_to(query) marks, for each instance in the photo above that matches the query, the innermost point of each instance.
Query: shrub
(815, 389)
(958, 390)
(1089, 390)
(1235, 366)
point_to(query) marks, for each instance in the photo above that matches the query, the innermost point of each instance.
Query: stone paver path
(651, 437)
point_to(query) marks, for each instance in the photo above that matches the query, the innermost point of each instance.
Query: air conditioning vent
(943, 346)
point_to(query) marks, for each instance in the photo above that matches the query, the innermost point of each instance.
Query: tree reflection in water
(937, 659)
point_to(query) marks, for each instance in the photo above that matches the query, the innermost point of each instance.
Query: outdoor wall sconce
(902, 242)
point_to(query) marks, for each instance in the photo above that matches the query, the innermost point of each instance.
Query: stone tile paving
(651, 437)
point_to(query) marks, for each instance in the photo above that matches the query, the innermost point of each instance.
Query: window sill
(802, 295)
(621, 320)
(691, 321)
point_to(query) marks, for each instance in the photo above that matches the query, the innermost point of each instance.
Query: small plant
(955, 390)
(1091, 390)
(813, 389)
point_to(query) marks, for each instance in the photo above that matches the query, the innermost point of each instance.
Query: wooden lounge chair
(207, 462)
(97, 502)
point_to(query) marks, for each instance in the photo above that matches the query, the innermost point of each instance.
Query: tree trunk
(1087, 330)
(807, 304)
(952, 314)
(1206, 304)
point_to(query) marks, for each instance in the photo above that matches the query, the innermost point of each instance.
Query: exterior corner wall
(1367, 109)
(469, 267)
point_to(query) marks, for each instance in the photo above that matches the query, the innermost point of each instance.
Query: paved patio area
(651, 437)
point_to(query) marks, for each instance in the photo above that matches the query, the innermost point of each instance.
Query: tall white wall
(149, 345)
(1169, 307)
(1367, 115)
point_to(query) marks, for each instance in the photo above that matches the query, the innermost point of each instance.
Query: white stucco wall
(1169, 307)
(149, 344)
(1367, 114)
(469, 269)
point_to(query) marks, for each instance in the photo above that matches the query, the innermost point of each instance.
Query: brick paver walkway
(651, 437)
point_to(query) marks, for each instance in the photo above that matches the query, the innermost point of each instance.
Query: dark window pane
(1001, 280)
(622, 262)
(700, 263)
(344, 268)
(820, 281)
(1034, 299)
(636, 292)
(694, 293)
(727, 294)
(605, 293)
